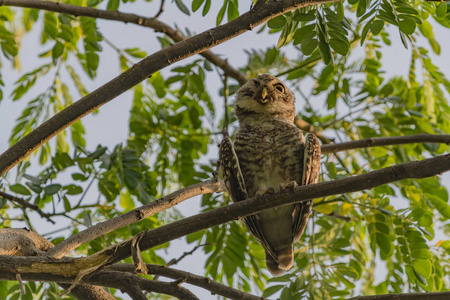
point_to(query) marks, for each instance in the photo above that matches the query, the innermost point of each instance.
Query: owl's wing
(234, 181)
(311, 170)
(232, 175)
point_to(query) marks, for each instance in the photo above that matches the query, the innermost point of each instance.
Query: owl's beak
(264, 98)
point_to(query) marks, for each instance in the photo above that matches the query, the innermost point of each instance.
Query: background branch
(26, 204)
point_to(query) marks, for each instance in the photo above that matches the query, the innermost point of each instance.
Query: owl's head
(265, 97)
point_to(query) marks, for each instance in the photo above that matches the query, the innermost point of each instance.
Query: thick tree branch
(200, 281)
(417, 169)
(143, 70)
(153, 23)
(126, 282)
(87, 292)
(406, 296)
(133, 216)
(25, 204)
(387, 141)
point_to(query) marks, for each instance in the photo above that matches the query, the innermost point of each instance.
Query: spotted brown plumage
(269, 152)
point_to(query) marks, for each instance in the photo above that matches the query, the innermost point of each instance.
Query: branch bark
(417, 169)
(406, 296)
(153, 23)
(387, 141)
(143, 70)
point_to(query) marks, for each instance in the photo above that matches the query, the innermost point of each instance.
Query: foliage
(172, 135)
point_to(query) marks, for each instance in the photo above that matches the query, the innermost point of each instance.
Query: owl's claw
(261, 193)
(290, 185)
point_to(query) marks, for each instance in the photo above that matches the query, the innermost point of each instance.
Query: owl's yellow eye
(279, 87)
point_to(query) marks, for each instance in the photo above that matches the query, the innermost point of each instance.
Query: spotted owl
(269, 153)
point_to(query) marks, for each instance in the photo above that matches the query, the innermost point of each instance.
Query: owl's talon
(293, 185)
(259, 194)
(270, 190)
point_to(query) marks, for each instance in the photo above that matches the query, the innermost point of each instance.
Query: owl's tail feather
(285, 261)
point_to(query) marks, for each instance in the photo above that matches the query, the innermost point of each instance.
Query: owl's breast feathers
(269, 154)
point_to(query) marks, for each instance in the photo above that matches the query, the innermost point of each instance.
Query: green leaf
(196, 4)
(113, 5)
(206, 7)
(67, 206)
(73, 189)
(182, 7)
(324, 49)
(304, 33)
(19, 189)
(308, 46)
(57, 50)
(441, 206)
(340, 11)
(272, 290)
(376, 26)
(422, 267)
(421, 253)
(441, 10)
(301, 17)
(407, 26)
(384, 243)
(233, 10)
(277, 22)
(52, 189)
(221, 13)
(340, 46)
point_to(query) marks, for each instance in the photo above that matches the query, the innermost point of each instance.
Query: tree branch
(9, 266)
(143, 70)
(153, 23)
(387, 141)
(87, 292)
(200, 281)
(25, 204)
(133, 216)
(406, 296)
(417, 169)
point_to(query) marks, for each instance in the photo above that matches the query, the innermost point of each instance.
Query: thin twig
(161, 9)
(26, 204)
(174, 261)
